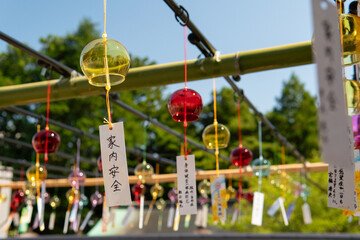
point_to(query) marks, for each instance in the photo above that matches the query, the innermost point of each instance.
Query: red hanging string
(47, 120)
(239, 120)
(21, 173)
(240, 145)
(185, 68)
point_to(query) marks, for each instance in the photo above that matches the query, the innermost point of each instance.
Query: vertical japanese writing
(114, 164)
(186, 184)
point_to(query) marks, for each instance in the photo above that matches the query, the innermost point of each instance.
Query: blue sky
(147, 28)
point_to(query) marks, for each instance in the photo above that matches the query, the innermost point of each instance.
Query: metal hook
(185, 23)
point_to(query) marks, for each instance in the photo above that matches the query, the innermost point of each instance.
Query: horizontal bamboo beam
(163, 74)
(201, 174)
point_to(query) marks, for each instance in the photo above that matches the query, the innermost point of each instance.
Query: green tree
(295, 117)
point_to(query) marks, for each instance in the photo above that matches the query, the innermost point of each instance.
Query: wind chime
(240, 157)
(261, 168)
(216, 136)
(44, 142)
(105, 63)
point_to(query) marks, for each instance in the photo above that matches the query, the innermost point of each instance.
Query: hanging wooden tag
(186, 181)
(114, 165)
(257, 210)
(218, 198)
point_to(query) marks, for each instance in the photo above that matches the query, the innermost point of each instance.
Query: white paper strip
(234, 216)
(170, 219)
(257, 210)
(290, 210)
(66, 223)
(30, 209)
(204, 215)
(333, 123)
(341, 188)
(141, 214)
(16, 220)
(126, 218)
(114, 165)
(186, 181)
(176, 219)
(198, 217)
(306, 213)
(283, 212)
(52, 221)
(87, 218)
(274, 207)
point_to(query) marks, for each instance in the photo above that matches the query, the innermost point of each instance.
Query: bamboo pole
(162, 178)
(163, 74)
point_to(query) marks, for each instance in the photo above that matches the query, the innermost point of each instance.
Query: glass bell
(241, 156)
(144, 171)
(84, 200)
(230, 193)
(357, 142)
(92, 62)
(39, 141)
(55, 201)
(203, 199)
(157, 191)
(305, 191)
(261, 166)
(223, 135)
(352, 89)
(17, 198)
(46, 197)
(138, 189)
(30, 189)
(31, 174)
(356, 125)
(73, 195)
(2, 197)
(176, 105)
(172, 194)
(96, 199)
(350, 38)
(99, 164)
(77, 178)
(160, 204)
(204, 187)
(249, 196)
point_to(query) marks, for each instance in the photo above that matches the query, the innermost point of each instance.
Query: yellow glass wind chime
(105, 62)
(216, 136)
